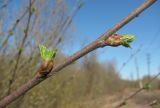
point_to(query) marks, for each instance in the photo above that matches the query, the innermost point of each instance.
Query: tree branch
(11, 30)
(20, 50)
(92, 46)
(136, 92)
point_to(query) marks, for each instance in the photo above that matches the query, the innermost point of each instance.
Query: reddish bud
(45, 68)
(114, 40)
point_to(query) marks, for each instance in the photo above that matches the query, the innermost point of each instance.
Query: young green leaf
(45, 53)
(127, 39)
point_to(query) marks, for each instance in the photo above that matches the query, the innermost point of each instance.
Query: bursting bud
(117, 40)
(46, 54)
(47, 60)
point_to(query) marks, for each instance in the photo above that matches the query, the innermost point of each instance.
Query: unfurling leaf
(45, 53)
(127, 38)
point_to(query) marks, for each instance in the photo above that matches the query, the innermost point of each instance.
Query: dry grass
(88, 84)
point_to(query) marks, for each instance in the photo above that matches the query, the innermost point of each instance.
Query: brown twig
(136, 92)
(154, 102)
(130, 58)
(68, 21)
(5, 4)
(20, 50)
(11, 30)
(92, 46)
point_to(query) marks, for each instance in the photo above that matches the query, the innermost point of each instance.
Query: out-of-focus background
(100, 79)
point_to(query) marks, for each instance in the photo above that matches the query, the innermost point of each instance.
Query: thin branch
(92, 46)
(154, 102)
(20, 50)
(136, 92)
(95, 44)
(130, 58)
(68, 21)
(5, 4)
(11, 30)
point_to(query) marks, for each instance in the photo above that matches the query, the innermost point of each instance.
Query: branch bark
(92, 46)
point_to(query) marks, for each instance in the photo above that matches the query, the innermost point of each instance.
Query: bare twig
(11, 30)
(20, 49)
(5, 4)
(130, 58)
(136, 92)
(68, 21)
(154, 102)
(92, 46)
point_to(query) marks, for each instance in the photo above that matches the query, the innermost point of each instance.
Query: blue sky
(97, 16)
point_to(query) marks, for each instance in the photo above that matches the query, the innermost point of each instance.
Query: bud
(45, 68)
(47, 60)
(117, 40)
(114, 40)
